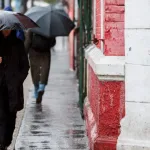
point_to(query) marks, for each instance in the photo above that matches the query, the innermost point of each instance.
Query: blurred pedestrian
(14, 68)
(39, 49)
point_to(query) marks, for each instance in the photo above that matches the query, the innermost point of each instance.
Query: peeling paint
(106, 100)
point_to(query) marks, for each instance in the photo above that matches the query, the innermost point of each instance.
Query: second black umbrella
(52, 22)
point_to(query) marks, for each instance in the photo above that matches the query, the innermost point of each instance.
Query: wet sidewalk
(56, 124)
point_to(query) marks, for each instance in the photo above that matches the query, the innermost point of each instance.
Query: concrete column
(7, 3)
(135, 127)
(71, 36)
(17, 5)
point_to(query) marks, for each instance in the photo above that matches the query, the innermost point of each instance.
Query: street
(56, 124)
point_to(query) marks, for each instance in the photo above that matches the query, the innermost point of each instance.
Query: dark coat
(40, 59)
(13, 69)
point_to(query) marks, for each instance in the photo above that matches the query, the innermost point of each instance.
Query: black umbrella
(52, 22)
(15, 21)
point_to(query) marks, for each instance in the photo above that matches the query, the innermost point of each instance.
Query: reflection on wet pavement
(56, 124)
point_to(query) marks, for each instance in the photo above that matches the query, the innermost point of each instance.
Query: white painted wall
(135, 127)
(110, 68)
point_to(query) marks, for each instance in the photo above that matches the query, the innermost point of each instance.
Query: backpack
(40, 43)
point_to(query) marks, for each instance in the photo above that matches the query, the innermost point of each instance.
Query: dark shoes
(39, 98)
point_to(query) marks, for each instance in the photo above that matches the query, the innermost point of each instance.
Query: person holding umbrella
(53, 22)
(39, 49)
(14, 68)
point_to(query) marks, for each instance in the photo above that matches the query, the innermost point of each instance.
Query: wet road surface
(56, 124)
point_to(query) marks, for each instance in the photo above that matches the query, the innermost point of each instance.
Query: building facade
(104, 105)
(116, 63)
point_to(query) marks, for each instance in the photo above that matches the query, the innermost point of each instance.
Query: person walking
(39, 49)
(14, 68)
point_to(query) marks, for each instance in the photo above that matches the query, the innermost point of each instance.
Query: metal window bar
(85, 39)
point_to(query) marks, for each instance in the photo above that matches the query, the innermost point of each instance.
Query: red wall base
(102, 144)
(103, 111)
(91, 126)
(95, 142)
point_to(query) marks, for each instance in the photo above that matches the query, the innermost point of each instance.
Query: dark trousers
(7, 118)
(40, 66)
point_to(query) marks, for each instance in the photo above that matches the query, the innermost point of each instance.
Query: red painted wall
(113, 26)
